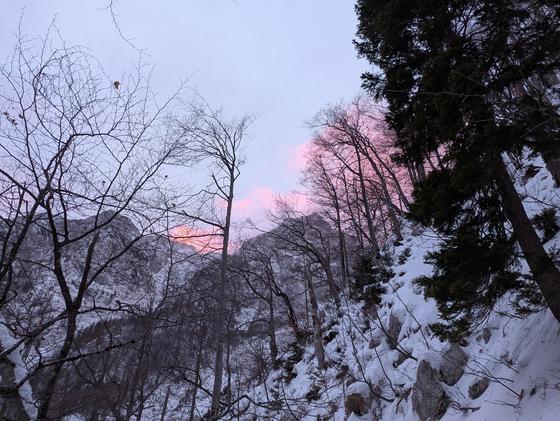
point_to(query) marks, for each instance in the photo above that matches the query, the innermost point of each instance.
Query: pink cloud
(253, 206)
(261, 199)
(297, 156)
(258, 199)
(203, 240)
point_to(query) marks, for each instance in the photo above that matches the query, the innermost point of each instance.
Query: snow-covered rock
(453, 364)
(429, 399)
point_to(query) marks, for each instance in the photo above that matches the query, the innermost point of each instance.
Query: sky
(281, 60)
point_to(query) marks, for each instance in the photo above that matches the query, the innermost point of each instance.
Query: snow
(20, 372)
(522, 357)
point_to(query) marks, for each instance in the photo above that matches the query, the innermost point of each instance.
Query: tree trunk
(272, 332)
(228, 364)
(387, 196)
(317, 337)
(355, 220)
(553, 166)
(306, 293)
(347, 260)
(135, 384)
(165, 401)
(72, 308)
(546, 273)
(412, 174)
(333, 288)
(367, 210)
(221, 319)
(43, 410)
(140, 405)
(343, 264)
(421, 171)
(197, 377)
(291, 313)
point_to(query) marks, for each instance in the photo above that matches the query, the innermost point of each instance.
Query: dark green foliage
(448, 196)
(546, 222)
(463, 81)
(470, 273)
(403, 257)
(475, 263)
(528, 298)
(368, 276)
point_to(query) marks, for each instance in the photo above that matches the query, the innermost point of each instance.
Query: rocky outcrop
(478, 388)
(429, 400)
(453, 365)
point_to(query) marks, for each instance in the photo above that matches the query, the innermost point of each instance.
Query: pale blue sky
(280, 59)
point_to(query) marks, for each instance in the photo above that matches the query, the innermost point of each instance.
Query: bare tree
(317, 321)
(308, 236)
(356, 136)
(212, 138)
(78, 152)
(259, 264)
(324, 182)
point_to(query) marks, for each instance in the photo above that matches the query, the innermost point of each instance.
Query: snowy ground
(521, 357)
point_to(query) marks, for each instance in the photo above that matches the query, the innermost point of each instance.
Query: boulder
(358, 400)
(393, 330)
(453, 365)
(374, 342)
(429, 400)
(356, 404)
(478, 388)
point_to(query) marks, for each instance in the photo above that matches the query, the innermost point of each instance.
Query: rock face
(393, 331)
(453, 365)
(478, 388)
(429, 400)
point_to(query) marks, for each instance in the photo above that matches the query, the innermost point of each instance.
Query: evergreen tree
(368, 276)
(464, 81)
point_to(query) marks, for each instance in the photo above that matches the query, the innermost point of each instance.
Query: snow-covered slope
(386, 364)
(382, 362)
